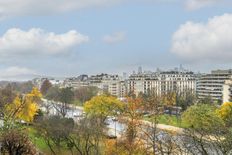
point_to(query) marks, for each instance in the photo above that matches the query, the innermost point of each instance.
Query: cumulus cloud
(17, 42)
(115, 37)
(197, 4)
(210, 41)
(16, 73)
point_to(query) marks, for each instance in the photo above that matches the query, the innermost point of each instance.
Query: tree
(186, 99)
(66, 97)
(22, 87)
(88, 136)
(169, 99)
(207, 132)
(84, 94)
(202, 117)
(103, 106)
(23, 107)
(53, 93)
(16, 142)
(225, 112)
(131, 117)
(55, 131)
(6, 96)
(45, 87)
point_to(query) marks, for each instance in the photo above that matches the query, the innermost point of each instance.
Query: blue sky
(112, 37)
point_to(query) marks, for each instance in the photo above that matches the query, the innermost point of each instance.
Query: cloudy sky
(71, 37)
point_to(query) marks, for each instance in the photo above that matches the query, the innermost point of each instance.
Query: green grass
(169, 120)
(41, 145)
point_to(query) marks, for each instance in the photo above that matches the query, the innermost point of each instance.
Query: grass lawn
(170, 120)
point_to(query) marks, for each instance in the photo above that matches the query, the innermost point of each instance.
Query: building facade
(211, 85)
(162, 82)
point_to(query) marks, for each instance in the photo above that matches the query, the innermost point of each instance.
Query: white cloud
(16, 73)
(197, 4)
(9, 8)
(38, 7)
(211, 41)
(16, 42)
(115, 37)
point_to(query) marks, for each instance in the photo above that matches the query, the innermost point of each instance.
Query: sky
(64, 38)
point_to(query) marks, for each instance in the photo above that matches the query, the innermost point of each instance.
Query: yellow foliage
(225, 111)
(24, 107)
(103, 106)
(169, 99)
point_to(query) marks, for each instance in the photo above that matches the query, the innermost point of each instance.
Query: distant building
(112, 84)
(76, 82)
(162, 82)
(39, 81)
(211, 85)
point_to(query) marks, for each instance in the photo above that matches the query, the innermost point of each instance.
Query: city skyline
(89, 37)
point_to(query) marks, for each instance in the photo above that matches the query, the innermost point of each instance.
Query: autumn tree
(131, 117)
(14, 139)
(153, 105)
(45, 87)
(225, 112)
(103, 106)
(23, 107)
(169, 99)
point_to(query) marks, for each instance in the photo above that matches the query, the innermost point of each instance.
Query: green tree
(66, 97)
(55, 131)
(207, 132)
(202, 117)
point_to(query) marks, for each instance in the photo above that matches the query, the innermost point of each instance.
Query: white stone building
(162, 82)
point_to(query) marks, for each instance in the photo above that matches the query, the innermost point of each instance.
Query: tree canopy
(103, 106)
(225, 112)
(202, 117)
(23, 107)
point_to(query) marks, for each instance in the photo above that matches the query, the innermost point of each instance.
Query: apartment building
(211, 85)
(76, 82)
(112, 84)
(162, 82)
